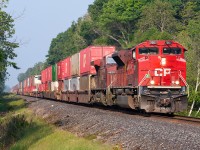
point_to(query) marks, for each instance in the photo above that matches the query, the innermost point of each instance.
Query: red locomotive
(150, 77)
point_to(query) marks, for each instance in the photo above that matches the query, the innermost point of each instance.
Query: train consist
(150, 77)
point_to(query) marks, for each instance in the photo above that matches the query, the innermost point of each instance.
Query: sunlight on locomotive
(163, 61)
(168, 42)
(153, 42)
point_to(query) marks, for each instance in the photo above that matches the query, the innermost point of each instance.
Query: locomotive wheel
(145, 113)
(170, 114)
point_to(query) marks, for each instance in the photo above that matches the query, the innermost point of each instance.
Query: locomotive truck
(150, 77)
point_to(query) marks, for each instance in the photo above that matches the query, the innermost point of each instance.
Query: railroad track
(177, 119)
(164, 117)
(185, 118)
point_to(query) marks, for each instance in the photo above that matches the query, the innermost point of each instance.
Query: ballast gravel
(131, 132)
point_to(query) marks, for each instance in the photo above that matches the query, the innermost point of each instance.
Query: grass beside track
(193, 114)
(20, 130)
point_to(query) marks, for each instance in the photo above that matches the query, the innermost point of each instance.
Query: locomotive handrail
(143, 79)
(185, 82)
(145, 76)
(111, 83)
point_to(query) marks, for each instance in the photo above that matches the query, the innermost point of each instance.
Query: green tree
(86, 30)
(158, 16)
(190, 11)
(96, 9)
(21, 77)
(118, 20)
(6, 45)
(190, 37)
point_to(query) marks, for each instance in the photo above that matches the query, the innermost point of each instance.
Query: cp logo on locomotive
(162, 71)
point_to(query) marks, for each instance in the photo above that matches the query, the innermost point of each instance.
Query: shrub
(12, 130)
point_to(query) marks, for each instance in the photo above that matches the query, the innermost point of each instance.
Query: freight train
(150, 77)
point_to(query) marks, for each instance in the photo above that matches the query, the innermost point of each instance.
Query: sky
(37, 22)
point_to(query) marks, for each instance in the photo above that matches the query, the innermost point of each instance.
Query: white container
(28, 82)
(67, 85)
(54, 86)
(37, 79)
(75, 65)
(75, 84)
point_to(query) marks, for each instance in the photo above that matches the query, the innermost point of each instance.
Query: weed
(12, 129)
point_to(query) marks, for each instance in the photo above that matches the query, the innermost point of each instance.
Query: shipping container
(75, 65)
(41, 87)
(61, 70)
(87, 82)
(75, 84)
(107, 50)
(21, 87)
(44, 76)
(54, 72)
(66, 68)
(91, 54)
(33, 88)
(49, 73)
(28, 81)
(31, 80)
(24, 83)
(66, 85)
(54, 86)
(35, 80)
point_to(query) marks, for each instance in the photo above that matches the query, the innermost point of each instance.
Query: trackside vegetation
(21, 130)
(7, 45)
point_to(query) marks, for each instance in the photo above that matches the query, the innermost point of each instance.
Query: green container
(54, 72)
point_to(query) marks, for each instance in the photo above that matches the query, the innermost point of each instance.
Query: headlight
(177, 82)
(152, 82)
(163, 61)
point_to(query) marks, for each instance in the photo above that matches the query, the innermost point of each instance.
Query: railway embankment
(127, 131)
(21, 129)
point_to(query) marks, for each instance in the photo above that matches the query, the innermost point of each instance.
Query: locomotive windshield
(110, 60)
(148, 50)
(168, 50)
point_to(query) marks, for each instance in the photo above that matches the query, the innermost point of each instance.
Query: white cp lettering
(162, 72)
